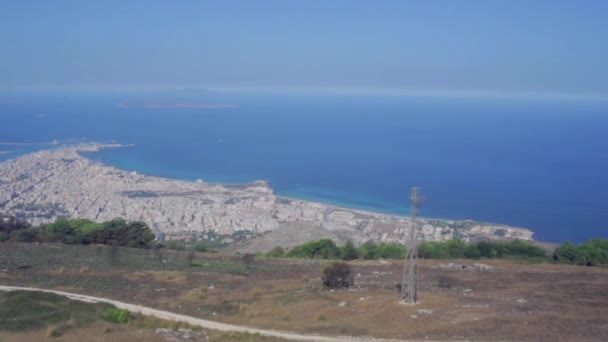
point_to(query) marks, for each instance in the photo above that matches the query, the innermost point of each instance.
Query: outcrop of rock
(44, 185)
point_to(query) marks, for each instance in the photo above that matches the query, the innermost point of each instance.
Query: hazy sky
(531, 45)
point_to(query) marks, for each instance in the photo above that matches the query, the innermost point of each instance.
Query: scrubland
(508, 300)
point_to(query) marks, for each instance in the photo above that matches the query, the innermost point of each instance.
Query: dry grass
(519, 302)
(95, 332)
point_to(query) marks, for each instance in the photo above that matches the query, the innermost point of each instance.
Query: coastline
(337, 204)
(63, 182)
(267, 183)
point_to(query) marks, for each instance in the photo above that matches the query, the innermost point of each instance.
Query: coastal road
(203, 323)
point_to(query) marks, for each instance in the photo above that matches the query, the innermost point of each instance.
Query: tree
(391, 251)
(61, 226)
(10, 224)
(472, 252)
(523, 248)
(565, 253)
(61, 231)
(319, 249)
(120, 233)
(487, 249)
(433, 250)
(590, 255)
(369, 250)
(25, 235)
(600, 243)
(349, 252)
(338, 275)
(456, 248)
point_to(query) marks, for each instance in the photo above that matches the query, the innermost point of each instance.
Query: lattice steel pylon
(409, 282)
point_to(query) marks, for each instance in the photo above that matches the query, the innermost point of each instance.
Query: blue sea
(536, 163)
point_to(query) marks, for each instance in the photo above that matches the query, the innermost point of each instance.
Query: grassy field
(23, 310)
(27, 316)
(516, 301)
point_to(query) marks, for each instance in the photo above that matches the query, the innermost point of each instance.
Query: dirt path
(203, 323)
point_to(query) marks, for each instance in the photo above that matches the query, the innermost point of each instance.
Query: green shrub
(30, 310)
(566, 253)
(456, 248)
(26, 235)
(433, 250)
(349, 252)
(369, 250)
(591, 253)
(276, 252)
(116, 232)
(319, 249)
(472, 252)
(523, 248)
(201, 247)
(391, 251)
(116, 315)
(488, 249)
(506, 249)
(60, 226)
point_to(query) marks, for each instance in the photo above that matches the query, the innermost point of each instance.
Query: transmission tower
(409, 283)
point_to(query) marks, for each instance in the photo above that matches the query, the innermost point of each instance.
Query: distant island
(60, 182)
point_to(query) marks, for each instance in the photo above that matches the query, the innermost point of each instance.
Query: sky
(513, 46)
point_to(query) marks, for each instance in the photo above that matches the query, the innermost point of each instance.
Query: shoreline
(267, 183)
(245, 184)
(62, 181)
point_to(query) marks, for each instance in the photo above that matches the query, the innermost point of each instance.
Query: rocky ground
(44, 185)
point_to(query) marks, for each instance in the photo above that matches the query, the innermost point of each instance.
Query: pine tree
(349, 252)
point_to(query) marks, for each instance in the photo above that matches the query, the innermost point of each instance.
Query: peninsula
(44, 185)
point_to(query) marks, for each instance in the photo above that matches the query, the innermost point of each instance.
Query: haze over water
(536, 163)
